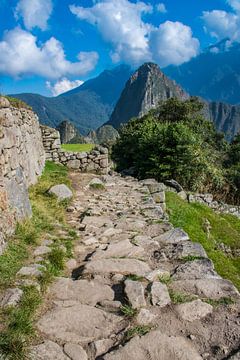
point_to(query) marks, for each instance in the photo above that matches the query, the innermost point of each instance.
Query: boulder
(197, 269)
(145, 317)
(84, 291)
(119, 249)
(79, 324)
(49, 350)
(117, 266)
(4, 102)
(173, 236)
(11, 297)
(62, 192)
(193, 310)
(155, 346)
(135, 293)
(174, 184)
(74, 164)
(75, 352)
(159, 294)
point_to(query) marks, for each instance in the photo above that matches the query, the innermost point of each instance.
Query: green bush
(173, 141)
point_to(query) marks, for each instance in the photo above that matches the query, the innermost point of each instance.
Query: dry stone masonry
(94, 161)
(138, 288)
(22, 159)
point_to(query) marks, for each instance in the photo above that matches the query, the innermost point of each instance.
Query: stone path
(131, 293)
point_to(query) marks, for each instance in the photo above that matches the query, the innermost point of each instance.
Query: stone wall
(95, 161)
(22, 160)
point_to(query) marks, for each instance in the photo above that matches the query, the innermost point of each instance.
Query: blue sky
(51, 46)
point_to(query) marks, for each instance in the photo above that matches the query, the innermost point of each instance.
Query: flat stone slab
(159, 294)
(135, 293)
(193, 310)
(97, 221)
(11, 297)
(145, 317)
(42, 250)
(62, 192)
(49, 350)
(173, 236)
(75, 352)
(79, 324)
(84, 291)
(206, 288)
(155, 346)
(184, 250)
(117, 266)
(34, 270)
(197, 269)
(119, 249)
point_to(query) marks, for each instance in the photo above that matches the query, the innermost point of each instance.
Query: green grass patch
(164, 279)
(17, 323)
(137, 331)
(78, 147)
(128, 311)
(191, 217)
(222, 301)
(134, 277)
(17, 103)
(180, 298)
(96, 186)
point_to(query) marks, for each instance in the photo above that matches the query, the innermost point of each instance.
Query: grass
(164, 279)
(223, 301)
(78, 147)
(97, 186)
(134, 277)
(17, 103)
(128, 311)
(137, 330)
(180, 298)
(17, 329)
(225, 228)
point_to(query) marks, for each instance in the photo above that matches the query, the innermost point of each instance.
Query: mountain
(143, 91)
(103, 135)
(213, 75)
(87, 106)
(148, 85)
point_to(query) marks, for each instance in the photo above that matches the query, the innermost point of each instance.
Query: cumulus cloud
(134, 41)
(173, 43)
(63, 85)
(21, 55)
(221, 24)
(161, 8)
(120, 23)
(35, 13)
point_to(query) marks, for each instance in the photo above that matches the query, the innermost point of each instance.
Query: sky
(51, 46)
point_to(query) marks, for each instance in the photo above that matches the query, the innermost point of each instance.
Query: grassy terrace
(224, 229)
(78, 147)
(47, 222)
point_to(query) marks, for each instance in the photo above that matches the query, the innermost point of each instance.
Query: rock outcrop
(22, 159)
(103, 135)
(68, 132)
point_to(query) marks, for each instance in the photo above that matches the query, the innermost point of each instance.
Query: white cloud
(35, 13)
(235, 4)
(120, 23)
(21, 55)
(63, 85)
(134, 41)
(221, 24)
(173, 43)
(161, 8)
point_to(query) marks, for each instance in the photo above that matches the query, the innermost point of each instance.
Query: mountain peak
(143, 91)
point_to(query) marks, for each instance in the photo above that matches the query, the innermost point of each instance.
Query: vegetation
(96, 186)
(17, 330)
(17, 103)
(139, 330)
(174, 141)
(78, 147)
(224, 229)
(180, 298)
(128, 311)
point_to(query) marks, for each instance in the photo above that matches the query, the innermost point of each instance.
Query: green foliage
(128, 311)
(173, 141)
(222, 301)
(180, 298)
(224, 229)
(97, 186)
(137, 330)
(164, 279)
(134, 277)
(17, 103)
(56, 258)
(233, 170)
(78, 147)
(19, 329)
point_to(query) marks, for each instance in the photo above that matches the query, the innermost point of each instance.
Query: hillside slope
(87, 107)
